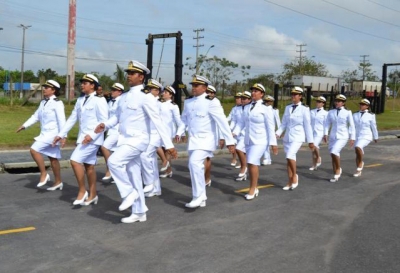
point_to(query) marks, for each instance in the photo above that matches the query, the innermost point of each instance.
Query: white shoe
(128, 201)
(163, 169)
(295, 185)
(238, 167)
(80, 201)
(165, 175)
(197, 202)
(151, 194)
(241, 178)
(94, 200)
(286, 188)
(233, 164)
(208, 184)
(42, 183)
(106, 178)
(362, 167)
(266, 162)
(320, 162)
(134, 218)
(251, 197)
(336, 177)
(314, 168)
(148, 188)
(57, 187)
(357, 174)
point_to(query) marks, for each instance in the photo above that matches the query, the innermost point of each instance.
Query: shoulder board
(306, 106)
(275, 108)
(209, 98)
(161, 100)
(100, 96)
(173, 103)
(189, 97)
(145, 91)
(56, 99)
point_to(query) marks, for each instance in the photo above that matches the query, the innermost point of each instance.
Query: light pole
(205, 56)
(22, 60)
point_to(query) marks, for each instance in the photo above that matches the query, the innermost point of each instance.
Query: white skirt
(240, 144)
(47, 149)
(317, 140)
(291, 149)
(254, 154)
(110, 143)
(336, 145)
(362, 143)
(85, 153)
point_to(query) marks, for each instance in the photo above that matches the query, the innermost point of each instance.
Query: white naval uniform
(296, 124)
(318, 117)
(259, 125)
(150, 173)
(234, 116)
(89, 114)
(110, 143)
(135, 111)
(277, 122)
(366, 131)
(201, 116)
(240, 134)
(51, 116)
(171, 116)
(342, 129)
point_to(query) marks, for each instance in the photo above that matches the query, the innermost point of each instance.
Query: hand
(184, 140)
(221, 143)
(325, 138)
(311, 146)
(87, 140)
(63, 141)
(231, 148)
(55, 140)
(100, 128)
(351, 142)
(20, 129)
(173, 153)
(177, 139)
(277, 136)
(274, 150)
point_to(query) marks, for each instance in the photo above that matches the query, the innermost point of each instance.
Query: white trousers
(150, 172)
(124, 165)
(196, 168)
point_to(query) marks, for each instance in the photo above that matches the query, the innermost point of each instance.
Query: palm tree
(120, 75)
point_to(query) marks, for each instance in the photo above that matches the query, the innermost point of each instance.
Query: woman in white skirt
(172, 118)
(318, 117)
(233, 116)
(110, 143)
(366, 131)
(258, 122)
(341, 121)
(268, 101)
(296, 124)
(51, 116)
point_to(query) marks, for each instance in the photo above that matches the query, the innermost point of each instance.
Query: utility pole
(197, 38)
(22, 59)
(301, 57)
(363, 64)
(70, 90)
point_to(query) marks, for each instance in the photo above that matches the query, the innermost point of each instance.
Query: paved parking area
(348, 226)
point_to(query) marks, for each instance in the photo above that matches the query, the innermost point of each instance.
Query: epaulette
(56, 99)
(173, 103)
(100, 96)
(306, 105)
(145, 91)
(161, 100)
(189, 97)
(274, 108)
(209, 98)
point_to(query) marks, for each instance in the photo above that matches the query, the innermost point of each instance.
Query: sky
(261, 33)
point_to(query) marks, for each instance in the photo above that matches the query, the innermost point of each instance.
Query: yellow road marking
(259, 187)
(373, 165)
(16, 230)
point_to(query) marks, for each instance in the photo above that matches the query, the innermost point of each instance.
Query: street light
(205, 56)
(22, 60)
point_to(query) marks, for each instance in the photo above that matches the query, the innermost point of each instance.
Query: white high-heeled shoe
(42, 183)
(241, 178)
(163, 169)
(361, 168)
(57, 187)
(336, 177)
(286, 188)
(233, 164)
(80, 201)
(314, 168)
(208, 184)
(166, 175)
(94, 200)
(252, 196)
(295, 185)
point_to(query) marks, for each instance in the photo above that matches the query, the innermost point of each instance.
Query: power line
(332, 23)
(389, 8)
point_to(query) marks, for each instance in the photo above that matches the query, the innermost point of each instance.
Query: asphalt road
(348, 226)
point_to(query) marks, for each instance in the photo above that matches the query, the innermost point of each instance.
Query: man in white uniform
(135, 111)
(201, 115)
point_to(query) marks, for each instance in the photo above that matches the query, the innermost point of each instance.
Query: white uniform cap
(136, 66)
(118, 86)
(152, 83)
(197, 79)
(211, 89)
(53, 84)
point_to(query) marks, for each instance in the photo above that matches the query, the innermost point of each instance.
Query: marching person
(259, 126)
(233, 117)
(366, 131)
(110, 143)
(201, 115)
(150, 174)
(296, 124)
(135, 110)
(89, 110)
(318, 117)
(51, 116)
(172, 118)
(341, 121)
(240, 146)
(269, 101)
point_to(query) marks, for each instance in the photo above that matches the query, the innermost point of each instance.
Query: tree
(267, 80)
(48, 74)
(120, 76)
(350, 75)
(307, 67)
(353, 75)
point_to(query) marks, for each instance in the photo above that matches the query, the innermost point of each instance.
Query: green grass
(11, 117)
